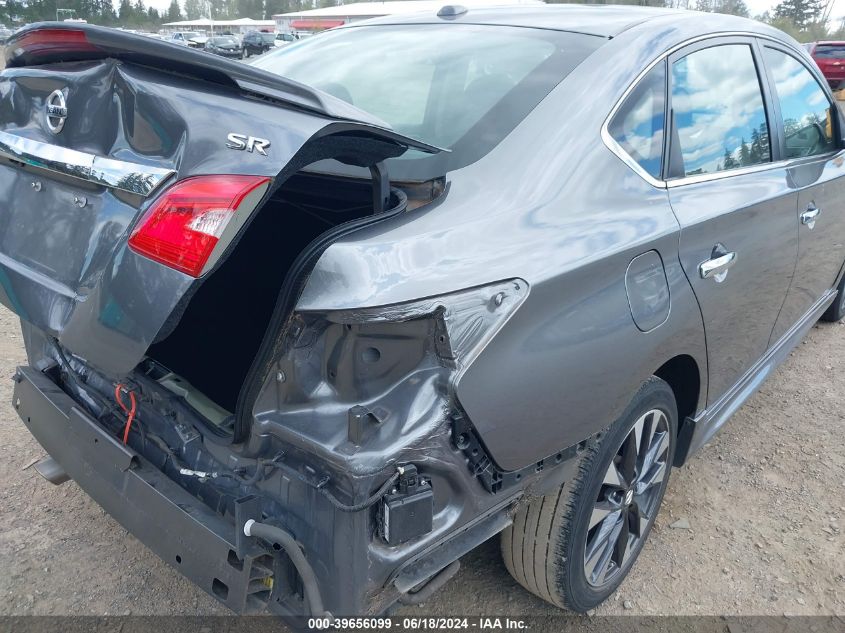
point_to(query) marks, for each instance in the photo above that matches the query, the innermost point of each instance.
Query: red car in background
(830, 56)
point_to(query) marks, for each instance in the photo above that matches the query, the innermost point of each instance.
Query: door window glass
(718, 109)
(805, 109)
(638, 124)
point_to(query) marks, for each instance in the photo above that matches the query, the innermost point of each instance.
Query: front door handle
(808, 218)
(717, 267)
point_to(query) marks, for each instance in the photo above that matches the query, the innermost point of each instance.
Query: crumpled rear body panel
(64, 263)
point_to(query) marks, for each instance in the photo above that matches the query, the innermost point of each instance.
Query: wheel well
(683, 376)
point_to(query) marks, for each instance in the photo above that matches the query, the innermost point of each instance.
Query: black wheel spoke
(637, 519)
(627, 498)
(628, 463)
(600, 548)
(600, 552)
(621, 547)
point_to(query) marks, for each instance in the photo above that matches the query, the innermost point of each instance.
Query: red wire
(129, 411)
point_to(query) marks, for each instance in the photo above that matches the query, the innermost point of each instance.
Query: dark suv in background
(830, 56)
(256, 43)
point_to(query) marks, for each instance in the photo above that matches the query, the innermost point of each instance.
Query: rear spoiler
(52, 42)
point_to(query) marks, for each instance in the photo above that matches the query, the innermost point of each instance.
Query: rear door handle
(717, 268)
(808, 218)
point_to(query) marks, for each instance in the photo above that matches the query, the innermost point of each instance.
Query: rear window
(458, 86)
(830, 51)
(223, 41)
(268, 38)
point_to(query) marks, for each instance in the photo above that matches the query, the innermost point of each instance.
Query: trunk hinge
(381, 187)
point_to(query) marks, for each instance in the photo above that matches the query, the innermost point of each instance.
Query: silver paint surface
(551, 205)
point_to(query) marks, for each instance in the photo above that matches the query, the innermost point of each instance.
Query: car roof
(596, 19)
(831, 42)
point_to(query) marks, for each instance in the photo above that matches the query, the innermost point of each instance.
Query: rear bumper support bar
(162, 515)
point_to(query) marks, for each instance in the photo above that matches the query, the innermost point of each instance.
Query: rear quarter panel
(551, 205)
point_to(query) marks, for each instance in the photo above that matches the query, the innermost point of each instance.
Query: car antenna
(451, 11)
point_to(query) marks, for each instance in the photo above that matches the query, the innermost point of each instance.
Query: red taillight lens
(183, 226)
(44, 41)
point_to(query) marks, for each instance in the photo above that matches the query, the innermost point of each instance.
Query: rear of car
(160, 229)
(192, 39)
(225, 46)
(256, 43)
(283, 39)
(830, 57)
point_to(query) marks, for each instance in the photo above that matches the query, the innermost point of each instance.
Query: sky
(757, 7)
(754, 6)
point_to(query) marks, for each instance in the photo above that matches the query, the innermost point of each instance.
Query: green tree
(800, 12)
(744, 154)
(174, 13)
(274, 7)
(194, 9)
(249, 9)
(755, 151)
(139, 13)
(731, 7)
(125, 11)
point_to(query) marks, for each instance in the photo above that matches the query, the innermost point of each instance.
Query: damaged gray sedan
(313, 329)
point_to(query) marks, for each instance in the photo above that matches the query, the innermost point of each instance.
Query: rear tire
(565, 547)
(836, 311)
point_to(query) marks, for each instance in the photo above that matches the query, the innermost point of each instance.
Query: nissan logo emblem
(56, 111)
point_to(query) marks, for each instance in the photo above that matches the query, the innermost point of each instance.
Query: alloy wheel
(628, 498)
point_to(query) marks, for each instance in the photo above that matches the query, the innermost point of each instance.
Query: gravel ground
(765, 504)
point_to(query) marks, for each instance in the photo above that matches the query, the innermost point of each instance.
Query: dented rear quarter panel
(553, 206)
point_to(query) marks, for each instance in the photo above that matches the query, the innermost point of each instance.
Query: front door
(817, 170)
(739, 240)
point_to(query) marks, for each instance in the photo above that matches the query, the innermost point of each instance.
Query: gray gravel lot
(765, 502)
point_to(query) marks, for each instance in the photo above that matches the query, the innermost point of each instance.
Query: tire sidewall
(654, 394)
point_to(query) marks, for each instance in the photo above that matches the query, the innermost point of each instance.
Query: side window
(638, 124)
(718, 111)
(804, 107)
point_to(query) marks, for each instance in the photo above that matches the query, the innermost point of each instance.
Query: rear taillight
(44, 41)
(184, 225)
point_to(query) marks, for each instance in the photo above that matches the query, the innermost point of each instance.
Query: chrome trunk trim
(118, 174)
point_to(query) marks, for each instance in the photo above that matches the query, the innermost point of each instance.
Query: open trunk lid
(93, 129)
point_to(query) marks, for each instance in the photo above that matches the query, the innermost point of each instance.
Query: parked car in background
(283, 39)
(192, 39)
(256, 42)
(830, 57)
(314, 328)
(225, 46)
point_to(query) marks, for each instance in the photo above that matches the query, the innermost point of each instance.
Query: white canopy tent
(241, 25)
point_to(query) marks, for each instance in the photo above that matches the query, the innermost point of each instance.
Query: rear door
(732, 198)
(817, 169)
